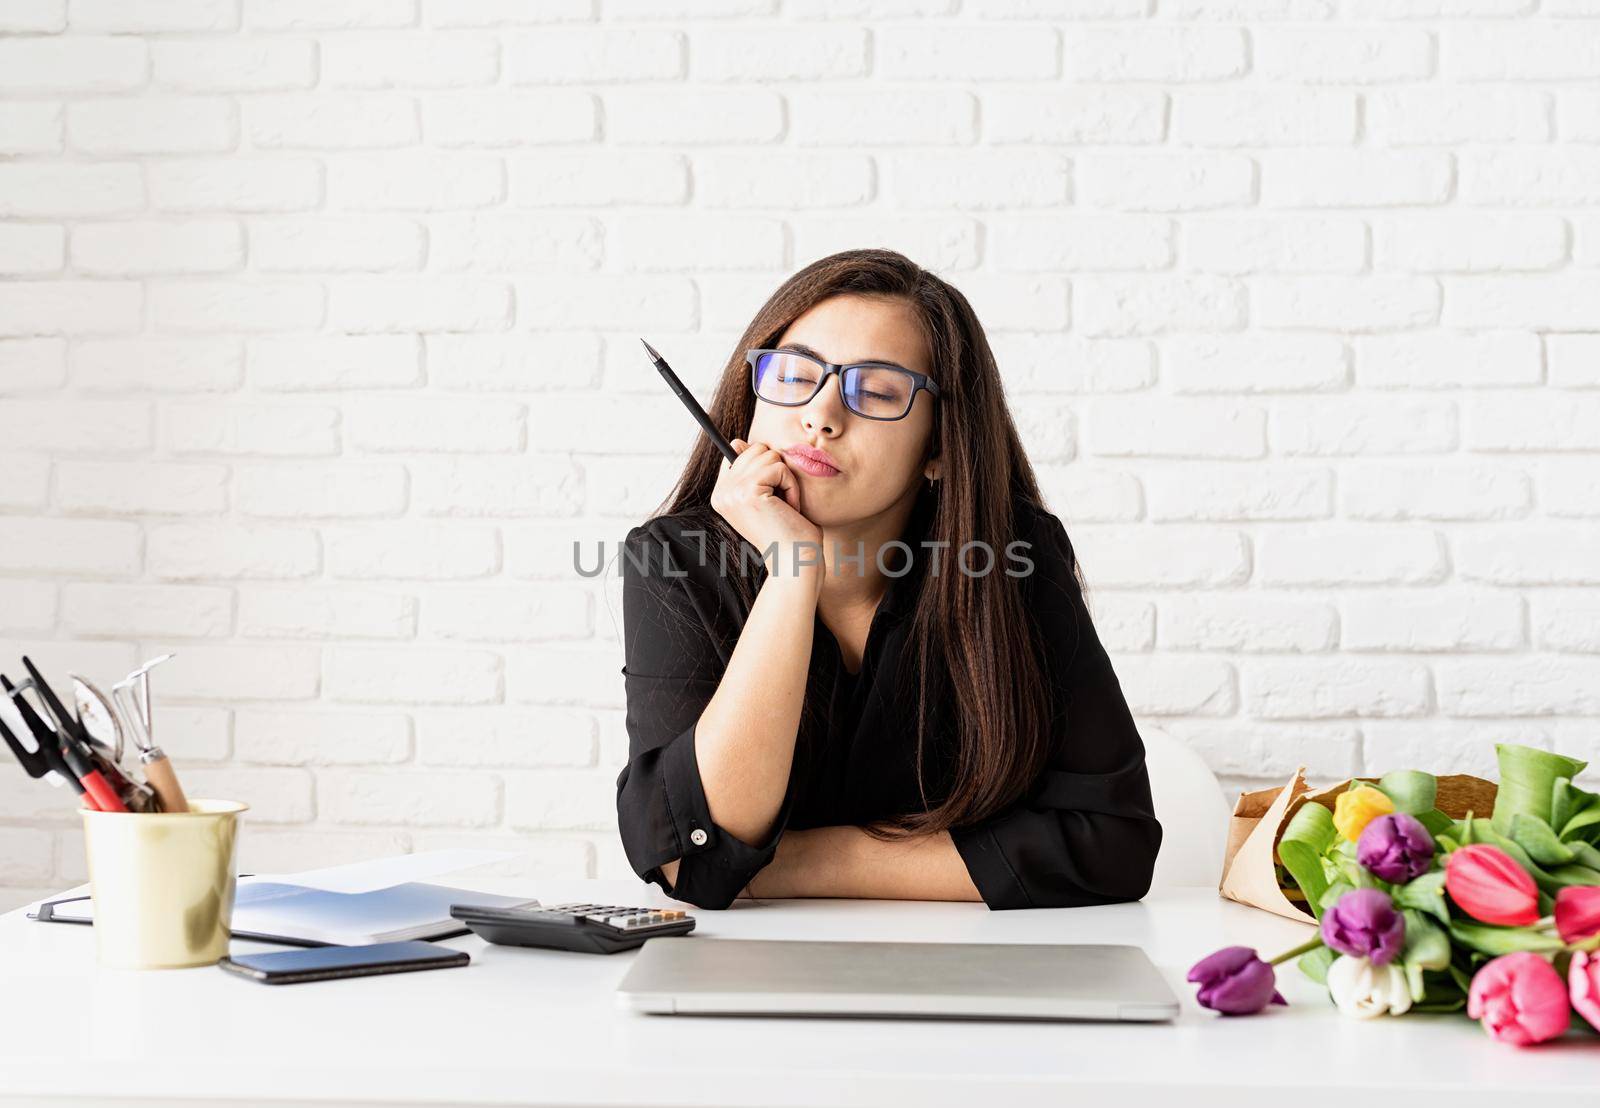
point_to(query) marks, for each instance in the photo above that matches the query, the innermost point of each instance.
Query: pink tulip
(1583, 983)
(1578, 913)
(1489, 885)
(1520, 998)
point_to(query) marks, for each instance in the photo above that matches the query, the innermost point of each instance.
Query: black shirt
(1085, 833)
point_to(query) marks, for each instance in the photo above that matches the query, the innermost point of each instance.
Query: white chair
(1193, 811)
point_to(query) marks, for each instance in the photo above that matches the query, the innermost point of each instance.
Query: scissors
(98, 716)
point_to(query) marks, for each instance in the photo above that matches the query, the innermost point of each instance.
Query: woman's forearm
(845, 861)
(744, 740)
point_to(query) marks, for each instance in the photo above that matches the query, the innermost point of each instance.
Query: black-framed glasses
(875, 390)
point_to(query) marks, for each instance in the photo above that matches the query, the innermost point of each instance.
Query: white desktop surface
(542, 1027)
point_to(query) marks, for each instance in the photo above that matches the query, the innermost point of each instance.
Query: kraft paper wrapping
(1259, 819)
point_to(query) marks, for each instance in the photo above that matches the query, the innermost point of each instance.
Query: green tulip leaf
(1411, 790)
(1442, 989)
(1574, 875)
(1527, 782)
(1305, 842)
(1584, 823)
(1442, 993)
(1414, 982)
(1425, 894)
(1496, 941)
(1585, 855)
(1427, 944)
(1563, 802)
(1535, 836)
(1331, 895)
(1315, 964)
(1436, 822)
(1567, 801)
(1339, 863)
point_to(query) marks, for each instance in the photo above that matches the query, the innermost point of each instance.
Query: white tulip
(1364, 990)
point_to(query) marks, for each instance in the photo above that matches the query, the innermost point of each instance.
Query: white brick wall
(318, 349)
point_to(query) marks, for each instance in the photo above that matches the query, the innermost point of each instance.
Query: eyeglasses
(871, 389)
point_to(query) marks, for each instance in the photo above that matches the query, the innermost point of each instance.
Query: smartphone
(325, 963)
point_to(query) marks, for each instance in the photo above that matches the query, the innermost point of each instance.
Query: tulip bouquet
(1419, 912)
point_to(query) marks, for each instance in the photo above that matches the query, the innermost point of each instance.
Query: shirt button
(698, 836)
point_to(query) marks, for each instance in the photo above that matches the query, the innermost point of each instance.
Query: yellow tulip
(1356, 807)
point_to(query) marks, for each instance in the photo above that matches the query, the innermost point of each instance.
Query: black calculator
(590, 928)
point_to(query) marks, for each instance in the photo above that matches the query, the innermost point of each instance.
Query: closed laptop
(697, 975)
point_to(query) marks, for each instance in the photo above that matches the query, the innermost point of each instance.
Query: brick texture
(318, 354)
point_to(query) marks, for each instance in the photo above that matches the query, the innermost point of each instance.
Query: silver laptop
(689, 975)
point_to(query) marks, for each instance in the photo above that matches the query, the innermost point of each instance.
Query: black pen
(692, 404)
(75, 748)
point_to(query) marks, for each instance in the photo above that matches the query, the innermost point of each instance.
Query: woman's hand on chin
(756, 494)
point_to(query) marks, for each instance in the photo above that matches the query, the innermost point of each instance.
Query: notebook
(356, 904)
(268, 910)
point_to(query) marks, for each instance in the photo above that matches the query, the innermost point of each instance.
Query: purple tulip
(1364, 924)
(1235, 981)
(1396, 847)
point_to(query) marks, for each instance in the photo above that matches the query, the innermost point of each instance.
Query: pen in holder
(163, 884)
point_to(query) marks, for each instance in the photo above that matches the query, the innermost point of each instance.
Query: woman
(889, 723)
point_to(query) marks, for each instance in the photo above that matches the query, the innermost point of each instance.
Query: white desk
(541, 1027)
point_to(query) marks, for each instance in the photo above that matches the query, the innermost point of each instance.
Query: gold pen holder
(163, 884)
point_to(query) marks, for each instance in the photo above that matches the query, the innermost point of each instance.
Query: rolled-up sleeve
(672, 667)
(1086, 832)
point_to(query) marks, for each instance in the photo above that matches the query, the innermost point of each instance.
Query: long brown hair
(974, 642)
